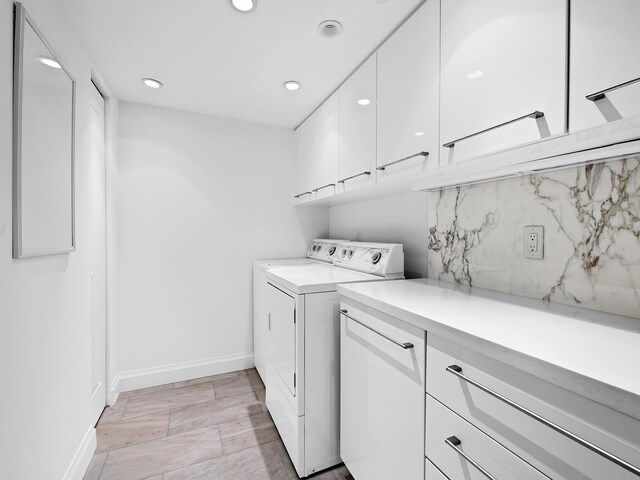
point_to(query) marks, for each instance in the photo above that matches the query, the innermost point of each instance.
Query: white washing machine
(320, 253)
(303, 348)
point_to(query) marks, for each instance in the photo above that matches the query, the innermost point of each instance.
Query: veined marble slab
(591, 216)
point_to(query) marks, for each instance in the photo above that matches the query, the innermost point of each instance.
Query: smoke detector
(330, 28)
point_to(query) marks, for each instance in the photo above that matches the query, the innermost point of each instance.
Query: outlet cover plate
(533, 242)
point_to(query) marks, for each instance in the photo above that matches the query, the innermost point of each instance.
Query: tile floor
(211, 428)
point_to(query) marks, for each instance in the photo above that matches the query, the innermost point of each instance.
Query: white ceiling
(215, 60)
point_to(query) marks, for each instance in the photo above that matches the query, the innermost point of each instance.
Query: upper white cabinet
(408, 96)
(503, 74)
(605, 35)
(358, 128)
(318, 152)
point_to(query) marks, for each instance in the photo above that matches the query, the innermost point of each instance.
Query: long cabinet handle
(419, 154)
(405, 345)
(454, 442)
(603, 93)
(302, 194)
(457, 371)
(535, 114)
(324, 186)
(354, 176)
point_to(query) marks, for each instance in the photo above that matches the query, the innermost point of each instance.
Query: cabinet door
(381, 397)
(358, 128)
(502, 61)
(319, 150)
(605, 35)
(408, 86)
(304, 145)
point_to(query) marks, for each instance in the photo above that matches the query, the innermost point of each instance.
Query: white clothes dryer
(303, 348)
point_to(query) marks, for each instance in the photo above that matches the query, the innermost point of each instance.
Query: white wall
(199, 198)
(397, 219)
(45, 310)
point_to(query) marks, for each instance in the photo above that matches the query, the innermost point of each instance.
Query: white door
(282, 336)
(98, 254)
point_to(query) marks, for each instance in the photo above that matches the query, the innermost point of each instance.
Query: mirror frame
(20, 25)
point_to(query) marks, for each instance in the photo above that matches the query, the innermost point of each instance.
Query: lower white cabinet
(418, 406)
(473, 397)
(382, 395)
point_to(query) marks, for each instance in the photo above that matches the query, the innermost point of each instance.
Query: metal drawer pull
(354, 176)
(421, 154)
(324, 186)
(454, 442)
(302, 194)
(603, 93)
(535, 114)
(457, 371)
(405, 345)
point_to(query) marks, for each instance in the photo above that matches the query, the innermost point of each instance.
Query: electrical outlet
(533, 240)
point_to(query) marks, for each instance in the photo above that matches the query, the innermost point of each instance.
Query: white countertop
(594, 354)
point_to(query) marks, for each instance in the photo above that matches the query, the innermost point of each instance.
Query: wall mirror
(43, 145)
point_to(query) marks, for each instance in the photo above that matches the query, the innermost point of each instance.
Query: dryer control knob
(375, 258)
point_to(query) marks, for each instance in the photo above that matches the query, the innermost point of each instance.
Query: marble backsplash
(591, 219)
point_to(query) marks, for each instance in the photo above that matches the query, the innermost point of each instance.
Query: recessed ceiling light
(152, 83)
(364, 101)
(330, 28)
(244, 6)
(419, 134)
(475, 74)
(291, 85)
(49, 62)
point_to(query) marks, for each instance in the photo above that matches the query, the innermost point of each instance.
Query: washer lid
(289, 263)
(316, 279)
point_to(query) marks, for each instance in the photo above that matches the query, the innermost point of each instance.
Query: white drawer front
(554, 454)
(443, 424)
(382, 397)
(431, 472)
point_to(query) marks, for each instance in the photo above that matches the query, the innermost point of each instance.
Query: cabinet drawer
(444, 425)
(551, 452)
(431, 472)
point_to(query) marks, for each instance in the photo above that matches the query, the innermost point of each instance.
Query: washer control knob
(332, 250)
(375, 258)
(350, 254)
(343, 252)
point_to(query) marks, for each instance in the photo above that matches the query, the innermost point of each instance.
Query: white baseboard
(177, 372)
(82, 458)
